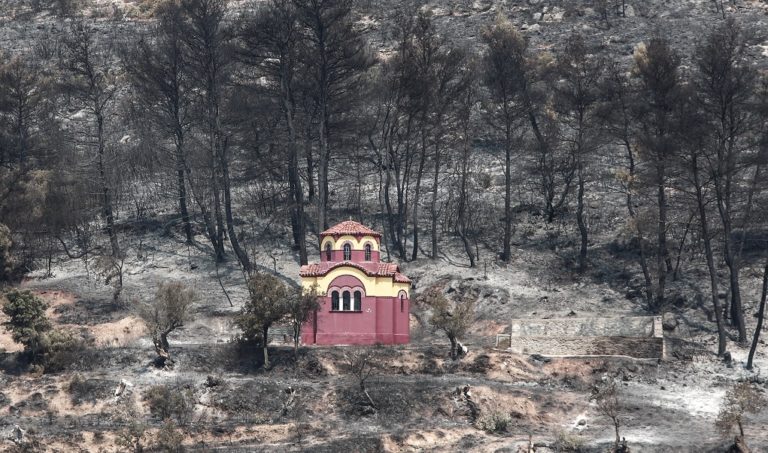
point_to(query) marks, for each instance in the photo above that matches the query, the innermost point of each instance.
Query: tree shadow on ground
(89, 312)
(13, 364)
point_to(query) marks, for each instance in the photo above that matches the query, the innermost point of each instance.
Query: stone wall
(637, 336)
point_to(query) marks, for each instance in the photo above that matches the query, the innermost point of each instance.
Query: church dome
(350, 227)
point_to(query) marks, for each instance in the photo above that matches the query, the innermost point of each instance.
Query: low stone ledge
(635, 336)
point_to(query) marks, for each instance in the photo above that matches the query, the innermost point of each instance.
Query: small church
(363, 301)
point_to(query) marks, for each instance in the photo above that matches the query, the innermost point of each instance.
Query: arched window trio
(347, 252)
(349, 301)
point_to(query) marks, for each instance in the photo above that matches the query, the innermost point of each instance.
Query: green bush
(27, 321)
(570, 443)
(167, 402)
(170, 438)
(48, 349)
(60, 349)
(495, 422)
(82, 390)
(7, 263)
(132, 437)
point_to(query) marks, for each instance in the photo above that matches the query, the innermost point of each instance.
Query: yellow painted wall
(374, 286)
(356, 245)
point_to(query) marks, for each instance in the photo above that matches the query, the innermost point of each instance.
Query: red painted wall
(357, 256)
(380, 321)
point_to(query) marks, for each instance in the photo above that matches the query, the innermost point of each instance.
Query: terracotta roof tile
(370, 269)
(400, 278)
(350, 227)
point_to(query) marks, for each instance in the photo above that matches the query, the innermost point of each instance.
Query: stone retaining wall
(636, 336)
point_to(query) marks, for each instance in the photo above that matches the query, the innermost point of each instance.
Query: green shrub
(566, 442)
(82, 390)
(741, 399)
(495, 422)
(7, 263)
(27, 321)
(170, 438)
(166, 402)
(60, 349)
(132, 437)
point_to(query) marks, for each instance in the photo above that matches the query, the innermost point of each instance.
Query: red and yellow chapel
(363, 301)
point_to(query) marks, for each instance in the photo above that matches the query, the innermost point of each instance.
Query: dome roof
(350, 227)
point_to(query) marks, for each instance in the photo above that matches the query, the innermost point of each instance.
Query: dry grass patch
(122, 332)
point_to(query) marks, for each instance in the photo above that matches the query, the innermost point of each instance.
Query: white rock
(121, 387)
(17, 435)
(553, 14)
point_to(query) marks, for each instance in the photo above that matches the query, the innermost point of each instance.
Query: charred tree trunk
(633, 214)
(581, 221)
(390, 212)
(219, 225)
(679, 256)
(732, 262)
(296, 339)
(322, 178)
(433, 203)
(241, 254)
(721, 338)
(760, 318)
(162, 349)
(265, 342)
(210, 227)
(182, 186)
(367, 395)
(507, 254)
(401, 213)
(106, 192)
(661, 252)
(547, 182)
(310, 165)
(462, 212)
(297, 199)
(725, 169)
(417, 196)
(183, 206)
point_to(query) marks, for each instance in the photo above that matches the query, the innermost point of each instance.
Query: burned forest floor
(218, 397)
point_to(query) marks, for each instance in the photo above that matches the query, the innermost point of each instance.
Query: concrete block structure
(640, 337)
(363, 301)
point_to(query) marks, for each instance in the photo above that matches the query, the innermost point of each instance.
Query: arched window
(335, 301)
(328, 254)
(367, 252)
(345, 299)
(358, 301)
(347, 252)
(402, 302)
